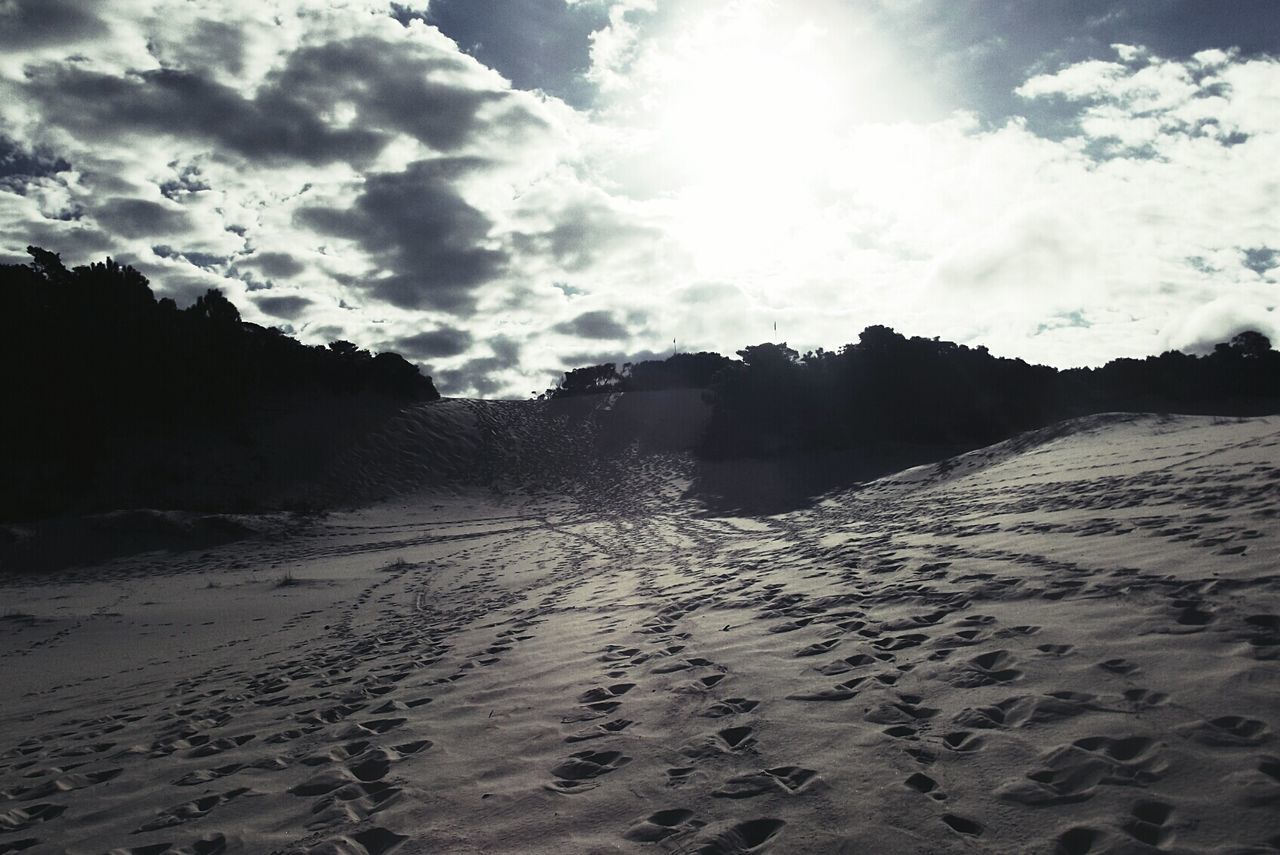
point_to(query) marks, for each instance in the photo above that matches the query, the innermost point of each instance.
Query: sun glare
(753, 103)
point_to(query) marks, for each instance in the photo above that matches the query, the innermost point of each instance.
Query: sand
(1067, 643)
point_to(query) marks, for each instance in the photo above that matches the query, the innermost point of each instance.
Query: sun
(751, 105)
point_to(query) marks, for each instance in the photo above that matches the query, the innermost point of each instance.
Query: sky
(500, 190)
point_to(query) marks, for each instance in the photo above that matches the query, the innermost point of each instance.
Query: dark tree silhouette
(94, 368)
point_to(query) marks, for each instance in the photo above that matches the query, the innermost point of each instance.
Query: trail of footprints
(342, 741)
(877, 627)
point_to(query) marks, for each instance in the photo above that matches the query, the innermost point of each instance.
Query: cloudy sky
(500, 189)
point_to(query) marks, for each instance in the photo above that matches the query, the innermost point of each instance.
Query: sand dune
(543, 642)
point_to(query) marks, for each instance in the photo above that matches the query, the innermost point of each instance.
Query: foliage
(90, 359)
(680, 371)
(890, 388)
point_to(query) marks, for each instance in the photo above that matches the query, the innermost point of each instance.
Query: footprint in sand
(682, 775)
(576, 772)
(204, 776)
(1122, 667)
(352, 803)
(900, 642)
(218, 746)
(963, 741)
(191, 810)
(986, 669)
(787, 779)
(922, 783)
(1056, 649)
(841, 666)
(730, 706)
(1262, 632)
(1228, 730)
(1028, 710)
(728, 740)
(906, 710)
(603, 693)
(1261, 784)
(1141, 699)
(1079, 840)
(963, 825)
(1148, 823)
(662, 825)
(372, 841)
(608, 728)
(701, 684)
(65, 783)
(817, 648)
(22, 818)
(840, 692)
(745, 838)
(1073, 772)
(598, 702)
(210, 844)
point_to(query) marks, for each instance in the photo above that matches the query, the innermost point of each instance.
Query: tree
(1251, 344)
(769, 356)
(213, 306)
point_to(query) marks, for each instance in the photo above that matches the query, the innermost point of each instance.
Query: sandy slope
(1067, 642)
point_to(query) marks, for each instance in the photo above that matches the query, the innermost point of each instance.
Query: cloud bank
(497, 206)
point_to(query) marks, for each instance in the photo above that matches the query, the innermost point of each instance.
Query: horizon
(504, 192)
(621, 364)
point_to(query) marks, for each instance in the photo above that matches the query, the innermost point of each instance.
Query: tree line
(889, 388)
(92, 362)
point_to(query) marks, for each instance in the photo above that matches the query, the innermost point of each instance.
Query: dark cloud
(328, 333)
(18, 165)
(1261, 259)
(583, 233)
(426, 238)
(284, 306)
(536, 44)
(393, 88)
(78, 243)
(475, 375)
(39, 23)
(188, 181)
(137, 218)
(169, 101)
(506, 349)
(199, 259)
(598, 325)
(206, 46)
(277, 265)
(445, 341)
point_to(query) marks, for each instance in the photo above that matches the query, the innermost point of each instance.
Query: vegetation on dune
(679, 371)
(890, 388)
(93, 363)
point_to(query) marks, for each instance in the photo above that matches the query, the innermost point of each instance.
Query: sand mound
(1068, 643)
(516, 447)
